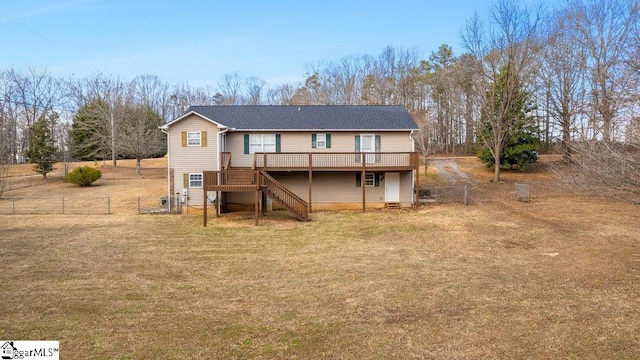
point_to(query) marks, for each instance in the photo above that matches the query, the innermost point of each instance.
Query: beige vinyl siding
(301, 142)
(332, 187)
(193, 159)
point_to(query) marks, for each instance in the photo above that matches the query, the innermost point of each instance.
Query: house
(7, 350)
(302, 157)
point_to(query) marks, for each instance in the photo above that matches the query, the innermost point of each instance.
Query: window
(193, 138)
(259, 143)
(321, 141)
(369, 180)
(195, 181)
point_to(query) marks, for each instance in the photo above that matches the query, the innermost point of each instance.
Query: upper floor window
(259, 143)
(320, 141)
(194, 138)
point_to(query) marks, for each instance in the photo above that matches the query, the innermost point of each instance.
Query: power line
(28, 28)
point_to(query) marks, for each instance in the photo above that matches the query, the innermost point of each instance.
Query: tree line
(574, 68)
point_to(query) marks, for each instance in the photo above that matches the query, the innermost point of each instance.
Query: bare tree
(230, 89)
(606, 168)
(564, 78)
(139, 136)
(151, 91)
(30, 95)
(604, 29)
(255, 90)
(507, 51)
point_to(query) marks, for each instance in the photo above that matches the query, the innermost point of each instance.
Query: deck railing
(231, 177)
(226, 160)
(335, 161)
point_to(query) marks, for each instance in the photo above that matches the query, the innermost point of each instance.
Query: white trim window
(369, 180)
(194, 138)
(195, 180)
(262, 143)
(321, 141)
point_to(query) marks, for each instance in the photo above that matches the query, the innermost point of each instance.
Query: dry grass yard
(557, 277)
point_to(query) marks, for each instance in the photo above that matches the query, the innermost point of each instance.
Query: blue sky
(197, 42)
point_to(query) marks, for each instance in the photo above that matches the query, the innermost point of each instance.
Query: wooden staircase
(392, 205)
(284, 197)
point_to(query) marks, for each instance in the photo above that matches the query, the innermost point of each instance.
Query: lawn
(554, 278)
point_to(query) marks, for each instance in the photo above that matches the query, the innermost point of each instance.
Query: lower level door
(392, 187)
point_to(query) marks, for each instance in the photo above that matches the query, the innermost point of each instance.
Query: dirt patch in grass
(445, 281)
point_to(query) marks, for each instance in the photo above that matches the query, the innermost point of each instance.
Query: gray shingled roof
(314, 117)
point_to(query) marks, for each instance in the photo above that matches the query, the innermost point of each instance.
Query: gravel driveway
(448, 170)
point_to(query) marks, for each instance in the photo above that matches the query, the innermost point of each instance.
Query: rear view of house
(326, 157)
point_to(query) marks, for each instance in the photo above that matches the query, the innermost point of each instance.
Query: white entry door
(392, 187)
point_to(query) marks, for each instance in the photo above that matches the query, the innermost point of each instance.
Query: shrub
(83, 176)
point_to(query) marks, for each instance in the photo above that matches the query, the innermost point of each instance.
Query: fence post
(108, 205)
(138, 205)
(63, 205)
(466, 194)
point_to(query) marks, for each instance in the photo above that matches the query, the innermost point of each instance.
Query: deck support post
(362, 182)
(257, 198)
(204, 201)
(417, 187)
(217, 203)
(264, 202)
(310, 179)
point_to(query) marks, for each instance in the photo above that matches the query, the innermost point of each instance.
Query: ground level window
(369, 179)
(195, 180)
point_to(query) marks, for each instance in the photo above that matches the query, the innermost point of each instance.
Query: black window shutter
(246, 143)
(278, 145)
(328, 141)
(313, 141)
(358, 179)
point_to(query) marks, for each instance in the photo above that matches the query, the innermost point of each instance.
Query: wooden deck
(343, 161)
(256, 178)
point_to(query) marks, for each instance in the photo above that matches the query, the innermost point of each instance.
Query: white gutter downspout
(221, 135)
(414, 200)
(168, 169)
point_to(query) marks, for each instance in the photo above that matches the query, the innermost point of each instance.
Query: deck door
(392, 187)
(368, 144)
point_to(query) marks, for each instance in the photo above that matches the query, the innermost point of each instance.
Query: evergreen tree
(41, 151)
(504, 123)
(89, 135)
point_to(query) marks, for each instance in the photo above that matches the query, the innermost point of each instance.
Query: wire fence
(444, 194)
(56, 205)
